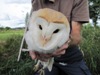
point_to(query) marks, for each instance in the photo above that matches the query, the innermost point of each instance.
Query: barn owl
(48, 30)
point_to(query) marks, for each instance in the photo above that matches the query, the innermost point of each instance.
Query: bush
(91, 48)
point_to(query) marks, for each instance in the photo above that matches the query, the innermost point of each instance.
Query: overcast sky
(15, 1)
(13, 12)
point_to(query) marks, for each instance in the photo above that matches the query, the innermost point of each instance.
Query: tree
(7, 28)
(94, 6)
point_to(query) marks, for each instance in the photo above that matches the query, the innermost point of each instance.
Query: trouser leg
(78, 68)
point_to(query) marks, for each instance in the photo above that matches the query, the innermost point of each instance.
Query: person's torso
(64, 6)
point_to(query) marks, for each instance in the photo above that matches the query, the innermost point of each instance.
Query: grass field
(4, 34)
(10, 44)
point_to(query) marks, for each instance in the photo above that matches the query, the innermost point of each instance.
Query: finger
(45, 60)
(65, 46)
(42, 58)
(59, 53)
(45, 56)
(62, 52)
(48, 55)
(62, 49)
(32, 54)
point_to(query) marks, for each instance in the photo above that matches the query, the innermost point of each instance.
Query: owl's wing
(29, 40)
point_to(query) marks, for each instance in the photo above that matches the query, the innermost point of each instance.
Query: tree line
(94, 10)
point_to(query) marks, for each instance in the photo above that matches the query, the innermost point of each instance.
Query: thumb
(32, 54)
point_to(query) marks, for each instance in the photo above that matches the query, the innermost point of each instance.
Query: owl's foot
(41, 72)
(36, 68)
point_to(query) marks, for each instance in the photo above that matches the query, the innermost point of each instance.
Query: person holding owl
(68, 58)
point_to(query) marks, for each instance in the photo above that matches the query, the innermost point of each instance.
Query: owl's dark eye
(56, 31)
(40, 27)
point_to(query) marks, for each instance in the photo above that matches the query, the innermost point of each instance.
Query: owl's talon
(41, 72)
(36, 68)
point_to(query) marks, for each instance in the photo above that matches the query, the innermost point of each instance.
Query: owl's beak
(45, 40)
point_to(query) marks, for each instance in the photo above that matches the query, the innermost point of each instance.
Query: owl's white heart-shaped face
(48, 35)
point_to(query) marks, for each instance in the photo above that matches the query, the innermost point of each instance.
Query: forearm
(76, 33)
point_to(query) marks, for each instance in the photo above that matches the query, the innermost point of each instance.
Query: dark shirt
(73, 54)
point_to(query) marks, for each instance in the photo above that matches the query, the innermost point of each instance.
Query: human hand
(33, 55)
(40, 56)
(45, 57)
(61, 50)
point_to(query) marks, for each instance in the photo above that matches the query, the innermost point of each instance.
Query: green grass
(7, 34)
(4, 34)
(10, 47)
